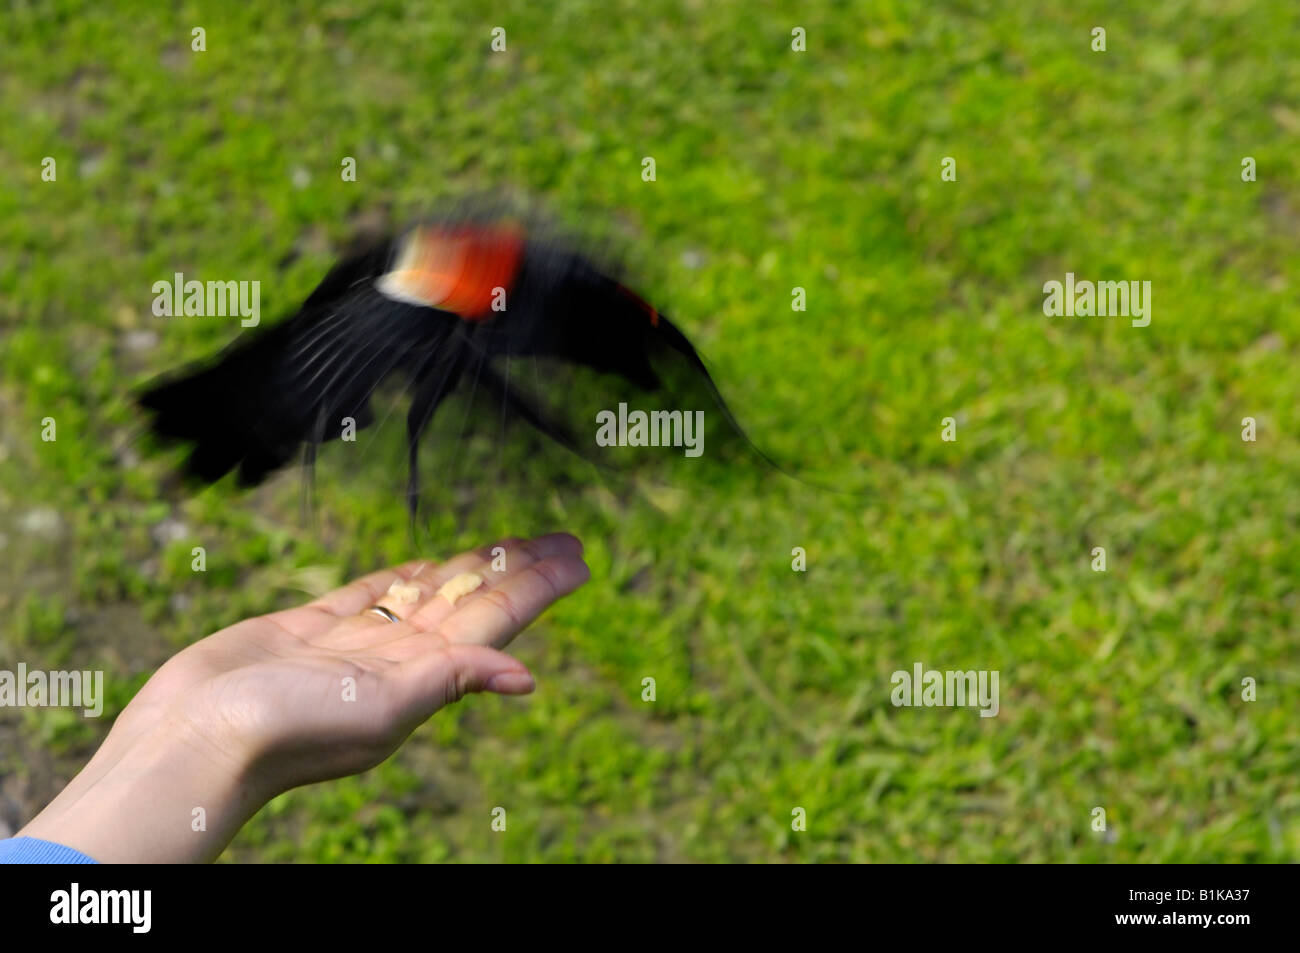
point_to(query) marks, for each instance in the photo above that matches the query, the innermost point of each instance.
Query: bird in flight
(447, 305)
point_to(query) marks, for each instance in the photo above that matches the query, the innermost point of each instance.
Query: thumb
(443, 677)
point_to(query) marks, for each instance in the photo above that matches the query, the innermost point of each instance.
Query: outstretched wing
(302, 381)
(635, 359)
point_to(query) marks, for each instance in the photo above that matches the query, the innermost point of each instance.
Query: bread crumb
(457, 587)
(403, 594)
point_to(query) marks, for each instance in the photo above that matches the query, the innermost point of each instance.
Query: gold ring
(382, 613)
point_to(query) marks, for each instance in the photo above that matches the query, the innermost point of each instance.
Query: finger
(375, 630)
(446, 674)
(494, 616)
(367, 590)
(323, 613)
(514, 559)
(356, 595)
(404, 598)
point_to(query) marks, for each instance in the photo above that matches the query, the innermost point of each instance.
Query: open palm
(327, 689)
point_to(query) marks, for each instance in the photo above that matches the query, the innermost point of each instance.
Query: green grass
(775, 169)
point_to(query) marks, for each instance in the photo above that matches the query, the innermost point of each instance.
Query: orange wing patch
(456, 269)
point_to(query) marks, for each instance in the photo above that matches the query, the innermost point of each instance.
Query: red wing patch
(455, 268)
(641, 303)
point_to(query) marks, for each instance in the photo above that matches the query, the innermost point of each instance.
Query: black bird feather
(442, 306)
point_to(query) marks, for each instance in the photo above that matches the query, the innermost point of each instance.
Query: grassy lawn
(776, 169)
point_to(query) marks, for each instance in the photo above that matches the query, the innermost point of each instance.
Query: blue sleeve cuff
(29, 850)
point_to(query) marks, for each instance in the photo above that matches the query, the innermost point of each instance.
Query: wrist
(164, 795)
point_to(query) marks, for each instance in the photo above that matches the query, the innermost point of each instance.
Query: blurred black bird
(446, 305)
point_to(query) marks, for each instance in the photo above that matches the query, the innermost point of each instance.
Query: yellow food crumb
(403, 594)
(457, 587)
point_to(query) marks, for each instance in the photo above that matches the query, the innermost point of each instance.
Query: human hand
(311, 693)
